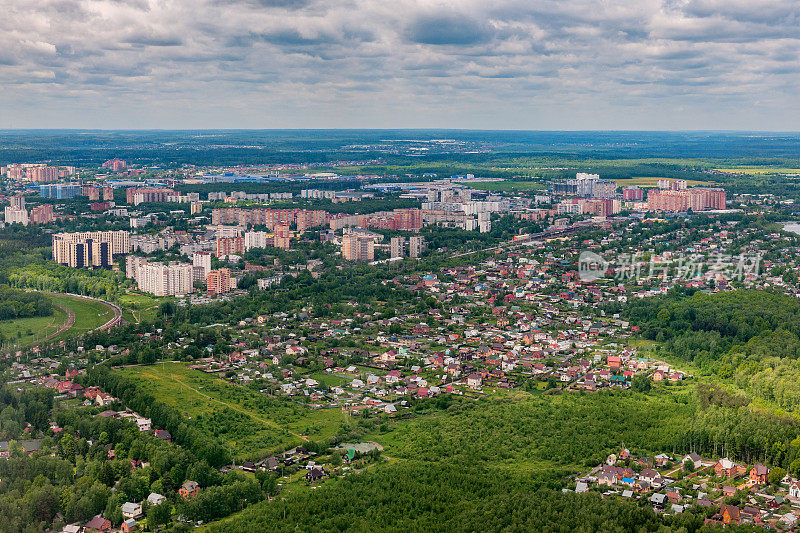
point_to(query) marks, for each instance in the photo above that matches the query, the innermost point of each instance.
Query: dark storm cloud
(448, 29)
(153, 40)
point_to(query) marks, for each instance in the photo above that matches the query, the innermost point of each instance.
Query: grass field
(758, 170)
(88, 315)
(507, 185)
(328, 380)
(24, 331)
(251, 424)
(138, 307)
(651, 181)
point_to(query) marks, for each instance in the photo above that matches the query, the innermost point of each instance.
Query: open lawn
(329, 380)
(23, 331)
(137, 307)
(88, 315)
(252, 424)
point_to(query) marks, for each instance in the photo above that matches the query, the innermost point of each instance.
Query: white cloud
(343, 63)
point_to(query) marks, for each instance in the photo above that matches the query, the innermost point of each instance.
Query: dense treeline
(18, 409)
(360, 283)
(575, 429)
(26, 263)
(494, 464)
(47, 276)
(75, 474)
(415, 496)
(732, 317)
(21, 304)
(749, 337)
(200, 444)
(94, 464)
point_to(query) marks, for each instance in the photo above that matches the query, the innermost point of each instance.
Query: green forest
(21, 304)
(499, 464)
(748, 338)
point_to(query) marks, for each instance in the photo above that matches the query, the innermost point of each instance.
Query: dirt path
(270, 423)
(68, 324)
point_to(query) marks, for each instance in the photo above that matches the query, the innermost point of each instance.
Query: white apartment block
(16, 216)
(162, 279)
(202, 260)
(397, 247)
(416, 245)
(255, 239)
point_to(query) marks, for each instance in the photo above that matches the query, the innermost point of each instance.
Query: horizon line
(12, 130)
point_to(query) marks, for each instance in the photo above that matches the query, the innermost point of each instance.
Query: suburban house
(131, 510)
(155, 498)
(661, 459)
(759, 473)
(315, 474)
(730, 514)
(103, 398)
(189, 489)
(128, 525)
(696, 459)
(98, 523)
(474, 380)
(727, 468)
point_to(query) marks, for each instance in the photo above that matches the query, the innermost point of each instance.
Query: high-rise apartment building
(90, 248)
(230, 245)
(91, 192)
(218, 281)
(255, 239)
(13, 172)
(18, 201)
(484, 222)
(282, 237)
(589, 185)
(416, 245)
(136, 196)
(632, 194)
(41, 174)
(85, 253)
(42, 214)
(697, 199)
(270, 218)
(115, 164)
(161, 279)
(16, 216)
(60, 191)
(202, 260)
(358, 248)
(397, 247)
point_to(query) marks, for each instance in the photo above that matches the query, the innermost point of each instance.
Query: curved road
(71, 316)
(68, 324)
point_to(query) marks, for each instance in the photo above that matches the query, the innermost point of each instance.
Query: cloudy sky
(507, 64)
